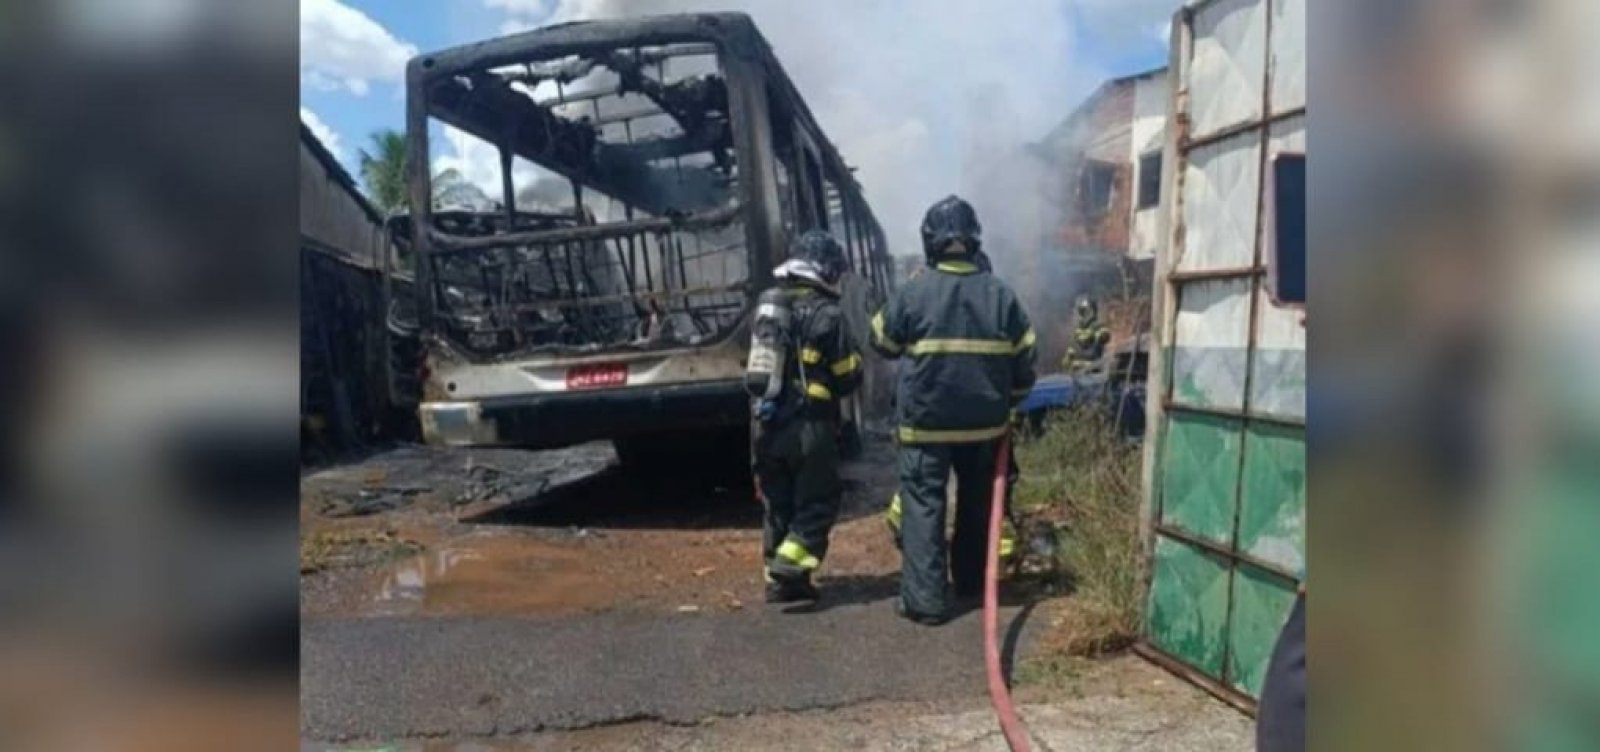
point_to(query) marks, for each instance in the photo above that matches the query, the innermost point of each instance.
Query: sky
(909, 91)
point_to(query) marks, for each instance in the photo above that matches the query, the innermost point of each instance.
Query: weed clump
(1081, 482)
(329, 549)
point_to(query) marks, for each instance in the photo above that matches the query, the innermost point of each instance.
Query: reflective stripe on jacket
(970, 352)
(827, 366)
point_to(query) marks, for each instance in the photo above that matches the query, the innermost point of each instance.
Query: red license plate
(597, 376)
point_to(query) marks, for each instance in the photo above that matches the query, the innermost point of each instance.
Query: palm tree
(384, 172)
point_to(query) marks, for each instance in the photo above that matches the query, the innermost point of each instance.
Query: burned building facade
(1078, 212)
(1108, 156)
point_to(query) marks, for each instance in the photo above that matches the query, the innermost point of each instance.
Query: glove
(766, 409)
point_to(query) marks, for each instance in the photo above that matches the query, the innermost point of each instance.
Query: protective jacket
(1088, 344)
(970, 349)
(796, 448)
(826, 367)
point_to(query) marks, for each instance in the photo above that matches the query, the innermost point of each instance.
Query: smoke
(916, 97)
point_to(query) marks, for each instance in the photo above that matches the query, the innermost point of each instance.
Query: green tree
(383, 170)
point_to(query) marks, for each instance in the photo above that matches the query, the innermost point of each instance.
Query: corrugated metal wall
(1226, 513)
(347, 355)
(333, 218)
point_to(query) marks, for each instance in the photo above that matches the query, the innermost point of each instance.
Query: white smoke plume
(911, 94)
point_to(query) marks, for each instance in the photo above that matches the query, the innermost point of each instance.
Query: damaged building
(1078, 211)
(1105, 164)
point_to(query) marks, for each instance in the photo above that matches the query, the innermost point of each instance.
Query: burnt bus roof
(733, 33)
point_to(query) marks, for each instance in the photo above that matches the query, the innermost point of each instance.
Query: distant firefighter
(1089, 338)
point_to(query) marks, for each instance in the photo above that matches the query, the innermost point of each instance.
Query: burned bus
(651, 174)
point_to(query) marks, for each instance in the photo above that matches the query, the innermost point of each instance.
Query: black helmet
(818, 247)
(950, 220)
(1087, 309)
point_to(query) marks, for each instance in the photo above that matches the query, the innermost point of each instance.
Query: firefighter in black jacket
(796, 433)
(970, 353)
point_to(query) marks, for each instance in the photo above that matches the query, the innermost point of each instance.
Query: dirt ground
(590, 538)
(431, 532)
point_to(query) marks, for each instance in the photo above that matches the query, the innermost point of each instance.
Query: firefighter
(1008, 527)
(796, 455)
(969, 359)
(1089, 338)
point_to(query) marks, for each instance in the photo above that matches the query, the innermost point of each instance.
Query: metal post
(508, 190)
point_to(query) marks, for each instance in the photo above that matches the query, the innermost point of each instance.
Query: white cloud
(525, 7)
(1161, 31)
(1120, 22)
(523, 15)
(478, 161)
(516, 26)
(326, 135)
(319, 81)
(341, 47)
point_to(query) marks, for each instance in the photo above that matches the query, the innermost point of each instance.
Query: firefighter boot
(792, 590)
(790, 572)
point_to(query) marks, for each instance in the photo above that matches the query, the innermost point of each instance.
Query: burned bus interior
(617, 222)
(620, 219)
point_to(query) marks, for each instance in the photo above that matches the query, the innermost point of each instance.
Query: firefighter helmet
(949, 221)
(1087, 310)
(823, 251)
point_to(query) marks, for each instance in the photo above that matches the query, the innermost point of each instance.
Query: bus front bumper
(574, 417)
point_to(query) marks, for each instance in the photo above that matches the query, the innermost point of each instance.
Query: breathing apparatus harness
(775, 337)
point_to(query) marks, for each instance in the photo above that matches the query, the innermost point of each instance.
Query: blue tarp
(1059, 391)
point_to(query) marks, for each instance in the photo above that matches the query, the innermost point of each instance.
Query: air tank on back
(769, 345)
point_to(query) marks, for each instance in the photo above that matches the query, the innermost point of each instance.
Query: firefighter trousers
(925, 559)
(797, 467)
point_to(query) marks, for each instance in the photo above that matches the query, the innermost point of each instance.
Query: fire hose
(1016, 734)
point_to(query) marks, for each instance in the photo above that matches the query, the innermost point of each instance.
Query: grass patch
(352, 548)
(1082, 480)
(1054, 671)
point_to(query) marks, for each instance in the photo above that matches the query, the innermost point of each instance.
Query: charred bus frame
(567, 287)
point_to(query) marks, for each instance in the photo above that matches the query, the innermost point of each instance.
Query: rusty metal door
(1226, 462)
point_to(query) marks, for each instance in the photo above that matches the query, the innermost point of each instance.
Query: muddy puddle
(488, 574)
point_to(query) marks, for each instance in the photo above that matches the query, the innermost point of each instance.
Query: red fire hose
(999, 695)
